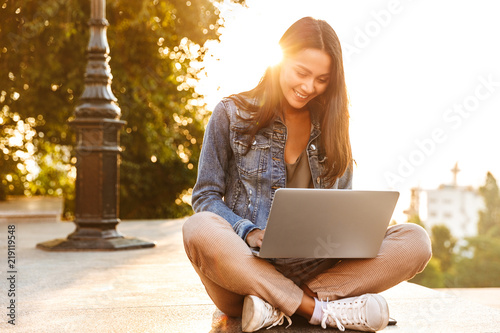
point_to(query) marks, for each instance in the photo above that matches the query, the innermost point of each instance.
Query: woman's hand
(254, 238)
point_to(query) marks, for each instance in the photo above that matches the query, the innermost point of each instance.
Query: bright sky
(423, 78)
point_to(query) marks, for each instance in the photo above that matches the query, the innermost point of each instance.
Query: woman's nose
(308, 86)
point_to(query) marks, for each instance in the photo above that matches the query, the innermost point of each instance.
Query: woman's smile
(299, 95)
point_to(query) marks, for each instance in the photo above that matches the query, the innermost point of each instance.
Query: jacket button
(313, 147)
(250, 192)
(254, 142)
(317, 180)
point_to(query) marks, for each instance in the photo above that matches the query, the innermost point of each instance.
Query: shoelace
(275, 313)
(344, 313)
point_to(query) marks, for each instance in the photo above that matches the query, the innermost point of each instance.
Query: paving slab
(157, 290)
(486, 296)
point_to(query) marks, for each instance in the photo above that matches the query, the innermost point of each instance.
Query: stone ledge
(33, 217)
(33, 209)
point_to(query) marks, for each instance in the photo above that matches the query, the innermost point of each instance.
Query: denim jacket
(238, 183)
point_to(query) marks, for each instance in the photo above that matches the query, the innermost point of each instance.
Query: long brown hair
(264, 101)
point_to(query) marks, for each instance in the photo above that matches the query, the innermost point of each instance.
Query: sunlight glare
(275, 55)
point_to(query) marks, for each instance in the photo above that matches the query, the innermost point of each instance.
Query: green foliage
(483, 269)
(489, 218)
(154, 82)
(432, 276)
(56, 175)
(443, 244)
(156, 53)
(477, 263)
(440, 270)
(42, 65)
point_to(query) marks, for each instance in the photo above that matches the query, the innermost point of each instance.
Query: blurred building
(455, 206)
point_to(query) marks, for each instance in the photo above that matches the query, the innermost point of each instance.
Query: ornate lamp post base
(95, 244)
(97, 236)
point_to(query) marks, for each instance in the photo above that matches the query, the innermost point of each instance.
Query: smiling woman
(290, 130)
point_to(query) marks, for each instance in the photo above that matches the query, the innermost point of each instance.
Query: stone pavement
(157, 290)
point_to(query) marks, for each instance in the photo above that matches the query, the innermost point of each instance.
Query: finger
(261, 238)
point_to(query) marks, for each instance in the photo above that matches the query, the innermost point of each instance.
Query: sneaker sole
(247, 324)
(384, 311)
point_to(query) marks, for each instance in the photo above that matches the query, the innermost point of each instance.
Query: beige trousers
(229, 270)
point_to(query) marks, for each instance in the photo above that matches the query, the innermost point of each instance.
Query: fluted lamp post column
(97, 122)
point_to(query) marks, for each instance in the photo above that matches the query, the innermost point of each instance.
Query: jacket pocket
(251, 155)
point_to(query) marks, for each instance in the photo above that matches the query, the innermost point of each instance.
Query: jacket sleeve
(210, 187)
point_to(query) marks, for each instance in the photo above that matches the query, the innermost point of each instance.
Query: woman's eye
(301, 74)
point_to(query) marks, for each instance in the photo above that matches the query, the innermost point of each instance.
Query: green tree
(156, 53)
(443, 245)
(489, 218)
(481, 266)
(432, 276)
(41, 66)
(483, 269)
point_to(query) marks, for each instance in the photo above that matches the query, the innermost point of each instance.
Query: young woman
(292, 130)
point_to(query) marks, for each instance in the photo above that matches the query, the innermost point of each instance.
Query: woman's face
(304, 76)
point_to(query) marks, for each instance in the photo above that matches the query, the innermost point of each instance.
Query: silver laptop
(322, 223)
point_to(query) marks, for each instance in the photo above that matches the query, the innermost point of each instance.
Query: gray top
(298, 174)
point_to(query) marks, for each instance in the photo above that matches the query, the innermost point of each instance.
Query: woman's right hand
(254, 238)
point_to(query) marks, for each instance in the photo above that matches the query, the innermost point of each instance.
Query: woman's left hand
(254, 238)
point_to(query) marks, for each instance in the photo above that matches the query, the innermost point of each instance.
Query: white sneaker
(258, 313)
(367, 313)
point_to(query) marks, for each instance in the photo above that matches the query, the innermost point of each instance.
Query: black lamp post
(97, 121)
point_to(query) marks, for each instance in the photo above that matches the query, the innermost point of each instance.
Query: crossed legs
(229, 270)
